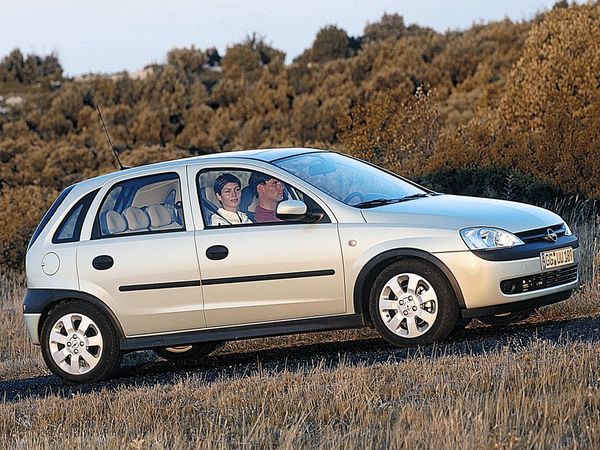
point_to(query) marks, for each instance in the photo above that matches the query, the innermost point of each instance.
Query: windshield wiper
(388, 201)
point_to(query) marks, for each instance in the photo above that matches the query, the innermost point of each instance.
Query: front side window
(244, 197)
(147, 204)
(348, 180)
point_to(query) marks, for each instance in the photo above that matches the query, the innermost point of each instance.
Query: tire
(412, 303)
(79, 343)
(186, 352)
(461, 324)
(507, 318)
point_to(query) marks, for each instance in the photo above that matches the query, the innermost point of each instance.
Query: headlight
(568, 231)
(484, 238)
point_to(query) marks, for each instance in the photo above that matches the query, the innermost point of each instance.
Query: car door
(259, 272)
(141, 258)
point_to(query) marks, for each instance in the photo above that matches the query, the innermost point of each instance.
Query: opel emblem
(551, 235)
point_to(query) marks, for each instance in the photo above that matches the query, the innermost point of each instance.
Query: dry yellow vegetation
(539, 388)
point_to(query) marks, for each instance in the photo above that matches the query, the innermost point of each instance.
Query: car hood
(457, 212)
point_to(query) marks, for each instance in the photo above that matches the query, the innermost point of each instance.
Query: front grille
(541, 234)
(539, 281)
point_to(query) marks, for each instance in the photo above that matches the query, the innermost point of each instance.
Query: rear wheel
(184, 352)
(506, 318)
(79, 343)
(412, 303)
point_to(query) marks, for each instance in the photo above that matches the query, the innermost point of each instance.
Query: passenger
(227, 189)
(269, 192)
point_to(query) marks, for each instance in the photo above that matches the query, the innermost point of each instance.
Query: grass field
(524, 386)
(518, 393)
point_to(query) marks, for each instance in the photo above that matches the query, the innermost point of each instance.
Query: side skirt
(243, 332)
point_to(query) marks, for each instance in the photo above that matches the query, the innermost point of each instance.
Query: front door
(263, 271)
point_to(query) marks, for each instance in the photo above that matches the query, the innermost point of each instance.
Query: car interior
(136, 209)
(248, 201)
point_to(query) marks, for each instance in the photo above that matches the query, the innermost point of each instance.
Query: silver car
(181, 256)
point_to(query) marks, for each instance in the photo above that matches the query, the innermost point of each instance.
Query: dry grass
(538, 396)
(533, 394)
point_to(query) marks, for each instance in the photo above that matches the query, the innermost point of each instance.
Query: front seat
(248, 202)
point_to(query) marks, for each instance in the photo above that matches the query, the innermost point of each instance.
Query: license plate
(556, 258)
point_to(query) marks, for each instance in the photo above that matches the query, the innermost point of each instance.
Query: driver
(269, 192)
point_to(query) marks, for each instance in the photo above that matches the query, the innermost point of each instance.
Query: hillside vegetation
(501, 109)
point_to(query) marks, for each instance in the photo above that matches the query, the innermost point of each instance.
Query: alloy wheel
(408, 305)
(75, 343)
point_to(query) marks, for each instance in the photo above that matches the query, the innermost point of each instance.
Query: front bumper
(480, 279)
(515, 306)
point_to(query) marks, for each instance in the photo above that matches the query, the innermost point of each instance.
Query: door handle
(217, 252)
(102, 262)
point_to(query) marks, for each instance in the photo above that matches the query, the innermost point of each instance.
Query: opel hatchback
(181, 256)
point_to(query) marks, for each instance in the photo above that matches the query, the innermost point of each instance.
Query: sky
(107, 36)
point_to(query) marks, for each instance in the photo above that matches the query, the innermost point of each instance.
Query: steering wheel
(351, 195)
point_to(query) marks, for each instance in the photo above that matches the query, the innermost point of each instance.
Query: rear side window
(49, 214)
(70, 228)
(149, 204)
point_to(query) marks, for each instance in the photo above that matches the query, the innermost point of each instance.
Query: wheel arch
(373, 267)
(42, 301)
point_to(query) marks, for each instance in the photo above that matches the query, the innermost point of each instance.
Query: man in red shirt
(269, 192)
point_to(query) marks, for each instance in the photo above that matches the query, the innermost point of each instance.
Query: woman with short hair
(228, 191)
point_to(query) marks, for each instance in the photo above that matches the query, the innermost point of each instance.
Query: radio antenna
(112, 147)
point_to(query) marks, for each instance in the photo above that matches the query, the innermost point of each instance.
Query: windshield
(349, 180)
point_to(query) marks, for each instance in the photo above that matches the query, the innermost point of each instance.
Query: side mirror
(291, 210)
(296, 211)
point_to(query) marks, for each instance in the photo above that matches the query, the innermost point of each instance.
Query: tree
(391, 26)
(11, 67)
(400, 136)
(330, 43)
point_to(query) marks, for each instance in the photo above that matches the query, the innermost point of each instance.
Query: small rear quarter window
(49, 214)
(70, 228)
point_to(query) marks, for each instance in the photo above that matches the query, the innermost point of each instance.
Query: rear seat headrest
(114, 222)
(159, 215)
(136, 219)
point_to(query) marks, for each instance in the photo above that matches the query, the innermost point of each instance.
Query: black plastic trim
(244, 332)
(269, 277)
(217, 252)
(102, 262)
(515, 306)
(366, 271)
(213, 281)
(530, 250)
(171, 285)
(540, 280)
(39, 301)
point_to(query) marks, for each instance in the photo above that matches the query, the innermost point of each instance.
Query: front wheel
(79, 343)
(412, 303)
(185, 352)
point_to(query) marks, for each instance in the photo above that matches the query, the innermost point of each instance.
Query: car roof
(266, 155)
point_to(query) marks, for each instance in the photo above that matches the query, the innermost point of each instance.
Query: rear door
(141, 258)
(261, 272)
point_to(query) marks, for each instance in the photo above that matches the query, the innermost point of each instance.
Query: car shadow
(144, 369)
